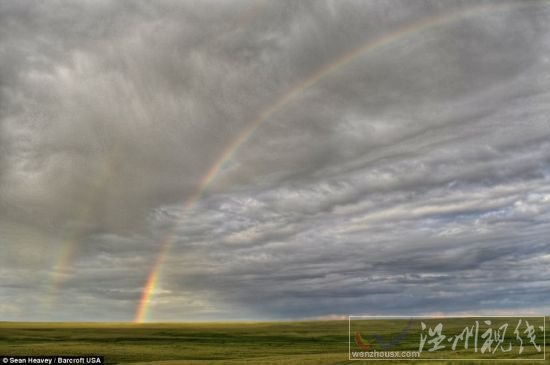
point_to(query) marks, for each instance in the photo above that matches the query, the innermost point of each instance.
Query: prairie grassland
(288, 343)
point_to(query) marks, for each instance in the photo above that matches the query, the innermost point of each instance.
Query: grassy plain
(309, 342)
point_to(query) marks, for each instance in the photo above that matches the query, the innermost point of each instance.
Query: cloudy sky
(297, 159)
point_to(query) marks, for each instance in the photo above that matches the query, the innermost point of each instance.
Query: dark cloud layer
(412, 179)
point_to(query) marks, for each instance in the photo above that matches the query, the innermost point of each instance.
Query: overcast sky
(412, 177)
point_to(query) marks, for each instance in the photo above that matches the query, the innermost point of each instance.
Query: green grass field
(316, 342)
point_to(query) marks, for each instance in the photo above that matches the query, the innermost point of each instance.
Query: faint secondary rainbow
(370, 46)
(60, 268)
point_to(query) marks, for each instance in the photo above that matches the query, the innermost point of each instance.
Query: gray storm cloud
(413, 178)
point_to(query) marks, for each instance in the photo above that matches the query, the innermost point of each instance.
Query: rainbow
(368, 47)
